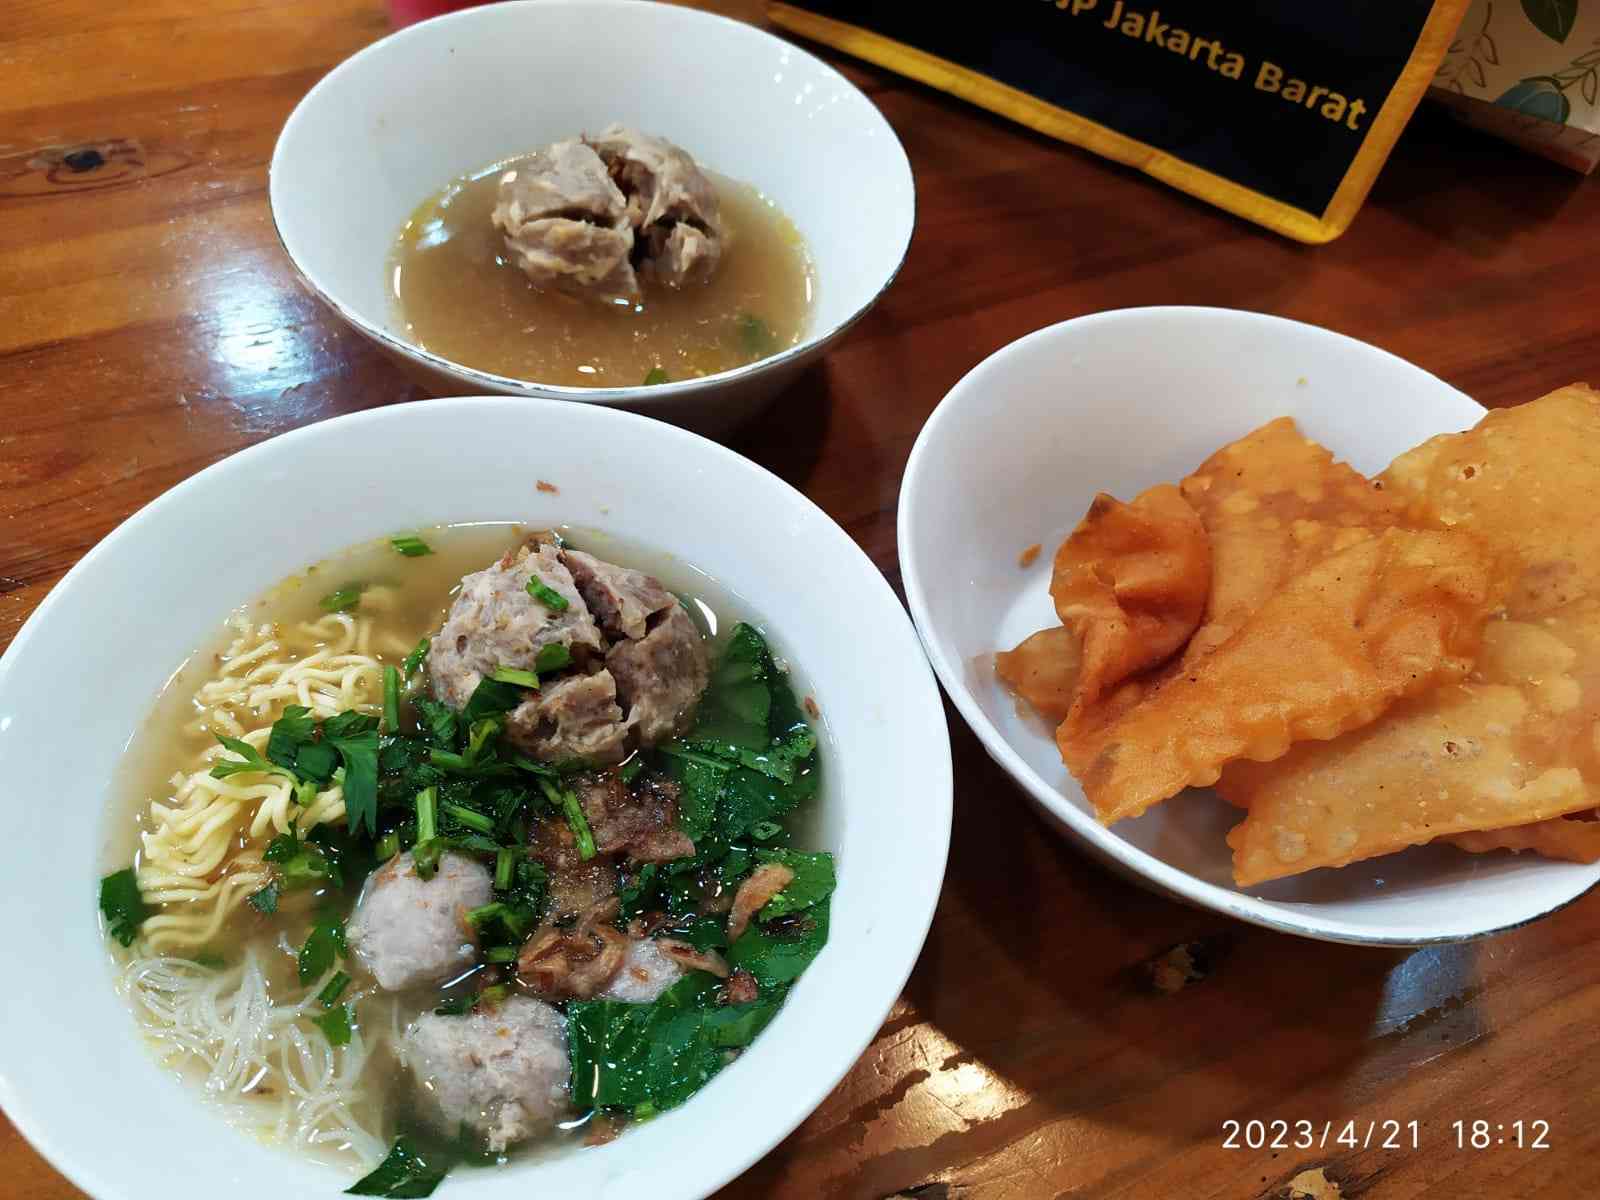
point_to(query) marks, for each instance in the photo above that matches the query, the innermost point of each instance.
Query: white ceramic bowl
(83, 672)
(399, 120)
(1117, 402)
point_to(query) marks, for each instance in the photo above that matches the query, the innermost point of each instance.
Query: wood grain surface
(150, 325)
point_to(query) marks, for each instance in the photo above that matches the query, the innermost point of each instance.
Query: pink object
(409, 12)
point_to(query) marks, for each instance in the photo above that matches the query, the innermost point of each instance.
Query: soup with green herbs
(426, 854)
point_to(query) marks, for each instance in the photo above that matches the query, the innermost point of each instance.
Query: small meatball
(575, 718)
(622, 600)
(408, 931)
(494, 622)
(502, 1072)
(638, 821)
(646, 972)
(660, 678)
(566, 223)
(665, 192)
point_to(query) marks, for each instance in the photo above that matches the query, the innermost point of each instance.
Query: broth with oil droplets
(456, 293)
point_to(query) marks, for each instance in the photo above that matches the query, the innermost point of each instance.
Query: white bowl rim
(83, 1170)
(639, 395)
(1138, 862)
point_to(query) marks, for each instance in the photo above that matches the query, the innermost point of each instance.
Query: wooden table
(149, 325)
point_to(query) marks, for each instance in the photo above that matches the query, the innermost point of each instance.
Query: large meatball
(502, 1072)
(639, 664)
(566, 223)
(408, 931)
(494, 623)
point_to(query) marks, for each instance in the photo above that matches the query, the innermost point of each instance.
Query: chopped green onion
(654, 376)
(344, 599)
(414, 659)
(488, 912)
(411, 547)
(501, 954)
(755, 336)
(546, 595)
(456, 1006)
(449, 760)
(480, 734)
(515, 676)
(505, 863)
(391, 700)
(388, 845)
(425, 856)
(469, 818)
(579, 823)
(552, 658)
(427, 814)
(329, 995)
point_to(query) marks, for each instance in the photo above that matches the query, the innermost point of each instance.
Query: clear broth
(419, 592)
(457, 295)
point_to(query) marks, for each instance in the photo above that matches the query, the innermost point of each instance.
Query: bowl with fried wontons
(1263, 617)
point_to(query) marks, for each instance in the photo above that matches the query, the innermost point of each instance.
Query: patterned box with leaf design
(1529, 71)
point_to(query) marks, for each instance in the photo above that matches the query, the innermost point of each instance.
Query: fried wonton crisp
(1515, 744)
(1273, 503)
(1388, 617)
(1129, 586)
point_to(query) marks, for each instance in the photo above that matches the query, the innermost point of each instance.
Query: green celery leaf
(355, 736)
(122, 906)
(295, 728)
(405, 1174)
(337, 1024)
(253, 761)
(323, 946)
(265, 900)
(490, 698)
